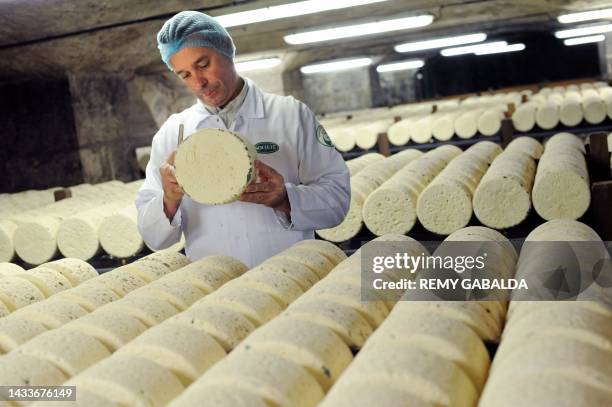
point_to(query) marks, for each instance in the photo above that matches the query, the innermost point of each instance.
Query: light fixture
(399, 66)
(287, 10)
(337, 65)
(578, 32)
(585, 16)
(584, 40)
(471, 49)
(252, 65)
(441, 42)
(358, 30)
(500, 50)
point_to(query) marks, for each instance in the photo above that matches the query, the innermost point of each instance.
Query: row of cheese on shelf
(445, 186)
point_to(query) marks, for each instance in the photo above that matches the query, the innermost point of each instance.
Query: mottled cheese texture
(89, 296)
(119, 235)
(46, 279)
(527, 145)
(220, 395)
(16, 293)
(214, 166)
(7, 248)
(188, 352)
(75, 270)
(149, 310)
(256, 306)
(36, 241)
(7, 269)
(130, 381)
(15, 330)
(180, 294)
(281, 382)
(23, 370)
(314, 347)
(52, 313)
(367, 394)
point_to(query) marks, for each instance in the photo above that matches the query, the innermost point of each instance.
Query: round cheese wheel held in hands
(215, 166)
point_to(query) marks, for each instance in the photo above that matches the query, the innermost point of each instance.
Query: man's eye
(184, 76)
(202, 66)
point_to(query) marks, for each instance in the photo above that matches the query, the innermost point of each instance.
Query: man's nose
(201, 79)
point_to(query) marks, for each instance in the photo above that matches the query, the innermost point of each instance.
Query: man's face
(211, 76)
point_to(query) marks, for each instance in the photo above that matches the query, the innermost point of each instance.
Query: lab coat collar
(252, 107)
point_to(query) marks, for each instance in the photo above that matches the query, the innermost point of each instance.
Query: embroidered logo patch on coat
(323, 137)
(266, 147)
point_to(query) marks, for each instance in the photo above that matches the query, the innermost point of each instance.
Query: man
(303, 182)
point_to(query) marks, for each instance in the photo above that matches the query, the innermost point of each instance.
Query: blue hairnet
(189, 29)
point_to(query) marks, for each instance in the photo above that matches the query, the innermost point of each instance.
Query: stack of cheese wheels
(36, 241)
(445, 205)
(503, 197)
(426, 353)
(184, 346)
(77, 235)
(362, 185)
(7, 233)
(466, 124)
(421, 130)
(296, 357)
(606, 95)
(443, 126)
(342, 137)
(367, 134)
(490, 120)
(570, 111)
(399, 133)
(214, 166)
(391, 208)
(547, 114)
(553, 353)
(561, 188)
(357, 164)
(118, 233)
(8, 269)
(526, 145)
(594, 107)
(524, 117)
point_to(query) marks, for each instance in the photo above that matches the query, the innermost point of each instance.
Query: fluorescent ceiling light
(499, 50)
(287, 10)
(441, 42)
(471, 49)
(585, 16)
(398, 66)
(584, 40)
(359, 29)
(257, 64)
(578, 32)
(336, 65)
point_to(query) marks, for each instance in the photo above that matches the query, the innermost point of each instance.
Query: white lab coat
(316, 179)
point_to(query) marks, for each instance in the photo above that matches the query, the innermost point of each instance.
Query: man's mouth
(208, 93)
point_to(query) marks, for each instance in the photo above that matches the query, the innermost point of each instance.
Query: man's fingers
(261, 187)
(256, 197)
(264, 170)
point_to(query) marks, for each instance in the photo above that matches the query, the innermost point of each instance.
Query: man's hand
(268, 189)
(173, 192)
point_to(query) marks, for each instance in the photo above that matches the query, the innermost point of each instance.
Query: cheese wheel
(219, 395)
(23, 370)
(112, 328)
(206, 279)
(421, 130)
(68, 350)
(490, 121)
(181, 295)
(52, 313)
(121, 281)
(466, 124)
(4, 310)
(444, 207)
(16, 293)
(229, 265)
(278, 381)
(148, 310)
(47, 280)
(570, 112)
(187, 352)
(214, 166)
(314, 347)
(84, 398)
(443, 126)
(399, 133)
(119, 235)
(281, 288)
(147, 270)
(343, 138)
(227, 326)
(169, 258)
(366, 394)
(332, 252)
(7, 233)
(312, 259)
(256, 306)
(298, 272)
(75, 270)
(594, 109)
(130, 381)
(15, 330)
(366, 136)
(345, 321)
(77, 237)
(524, 117)
(9, 269)
(527, 145)
(352, 223)
(36, 241)
(89, 296)
(425, 374)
